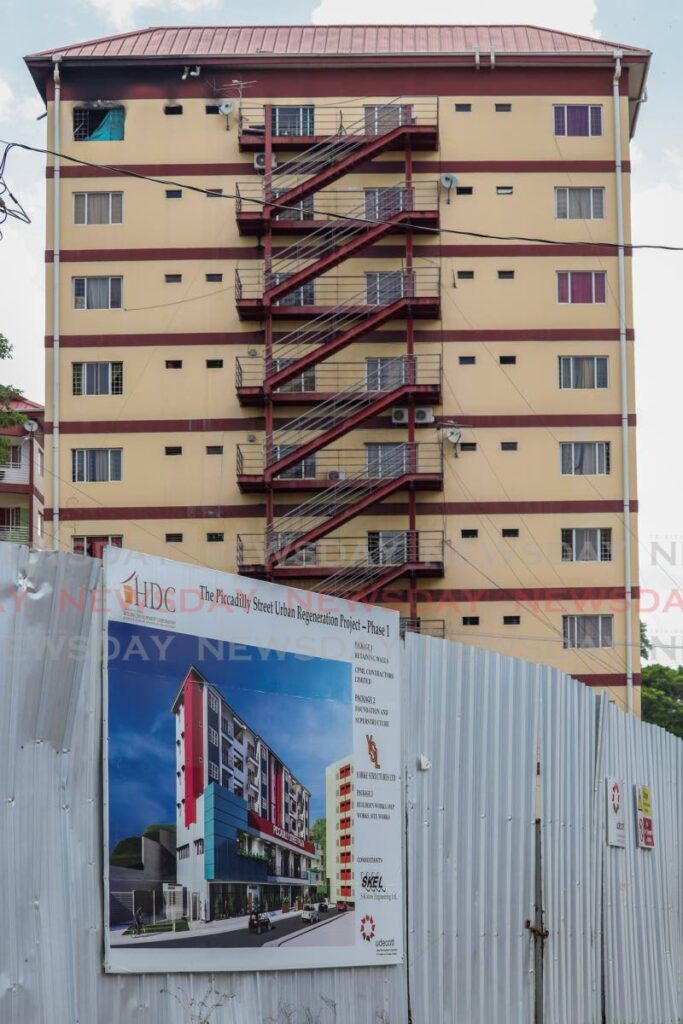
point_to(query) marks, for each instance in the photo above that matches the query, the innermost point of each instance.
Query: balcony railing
(426, 627)
(374, 551)
(371, 289)
(332, 205)
(340, 464)
(393, 548)
(18, 535)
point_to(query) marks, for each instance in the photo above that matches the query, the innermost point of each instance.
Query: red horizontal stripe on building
(159, 340)
(518, 595)
(607, 679)
(170, 253)
(256, 511)
(156, 426)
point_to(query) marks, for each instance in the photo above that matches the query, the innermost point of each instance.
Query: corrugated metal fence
(496, 845)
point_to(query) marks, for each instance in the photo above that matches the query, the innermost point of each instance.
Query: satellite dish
(30, 426)
(226, 107)
(448, 181)
(454, 435)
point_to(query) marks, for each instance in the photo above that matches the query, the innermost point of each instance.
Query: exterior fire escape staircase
(335, 310)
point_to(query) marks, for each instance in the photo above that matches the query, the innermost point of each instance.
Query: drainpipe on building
(55, 299)
(625, 438)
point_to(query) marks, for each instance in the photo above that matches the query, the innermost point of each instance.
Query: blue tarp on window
(110, 127)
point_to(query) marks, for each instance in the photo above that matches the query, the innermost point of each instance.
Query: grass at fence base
(163, 926)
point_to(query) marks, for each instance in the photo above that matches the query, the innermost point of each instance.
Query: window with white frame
(580, 203)
(97, 378)
(383, 203)
(11, 458)
(306, 555)
(304, 469)
(302, 382)
(96, 465)
(386, 459)
(382, 117)
(585, 458)
(304, 295)
(98, 292)
(587, 630)
(582, 372)
(98, 207)
(577, 119)
(304, 209)
(40, 525)
(587, 544)
(40, 462)
(213, 703)
(388, 547)
(581, 286)
(213, 737)
(385, 286)
(94, 546)
(10, 519)
(385, 373)
(213, 771)
(293, 120)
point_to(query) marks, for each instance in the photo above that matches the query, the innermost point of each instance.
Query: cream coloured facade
(204, 433)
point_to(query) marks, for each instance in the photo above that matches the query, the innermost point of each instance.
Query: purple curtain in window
(560, 121)
(582, 286)
(563, 287)
(577, 120)
(599, 287)
(596, 120)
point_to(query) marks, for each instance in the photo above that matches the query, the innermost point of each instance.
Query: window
(214, 449)
(504, 190)
(469, 534)
(183, 852)
(237, 761)
(587, 544)
(470, 620)
(41, 462)
(173, 278)
(40, 524)
(173, 449)
(174, 193)
(174, 538)
(389, 547)
(214, 364)
(306, 555)
(293, 120)
(97, 378)
(12, 458)
(503, 108)
(386, 459)
(382, 117)
(95, 465)
(467, 360)
(303, 210)
(511, 620)
(211, 108)
(585, 458)
(587, 630)
(577, 119)
(302, 382)
(199, 847)
(506, 275)
(98, 207)
(304, 295)
(465, 275)
(98, 124)
(507, 360)
(302, 470)
(468, 446)
(213, 736)
(214, 278)
(463, 108)
(384, 286)
(94, 546)
(508, 446)
(213, 193)
(583, 371)
(214, 538)
(10, 520)
(580, 203)
(581, 286)
(213, 771)
(98, 292)
(464, 190)
(382, 203)
(172, 109)
(385, 373)
(509, 531)
(174, 364)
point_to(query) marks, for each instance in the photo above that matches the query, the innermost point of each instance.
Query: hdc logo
(147, 594)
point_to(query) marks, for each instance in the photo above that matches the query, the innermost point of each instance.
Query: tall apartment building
(22, 476)
(243, 819)
(339, 829)
(330, 344)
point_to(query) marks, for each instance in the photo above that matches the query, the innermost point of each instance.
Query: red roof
(26, 405)
(336, 40)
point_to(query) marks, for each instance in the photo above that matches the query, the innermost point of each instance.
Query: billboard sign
(645, 833)
(252, 774)
(616, 813)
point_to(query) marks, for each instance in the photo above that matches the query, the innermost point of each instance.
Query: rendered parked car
(342, 906)
(259, 922)
(323, 906)
(310, 913)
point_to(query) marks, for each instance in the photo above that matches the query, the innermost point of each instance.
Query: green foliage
(662, 697)
(318, 831)
(127, 853)
(645, 644)
(152, 831)
(8, 416)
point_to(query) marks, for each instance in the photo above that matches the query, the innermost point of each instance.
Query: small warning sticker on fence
(645, 827)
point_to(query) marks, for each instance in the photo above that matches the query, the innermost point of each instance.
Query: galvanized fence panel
(571, 844)
(471, 832)
(642, 888)
(51, 908)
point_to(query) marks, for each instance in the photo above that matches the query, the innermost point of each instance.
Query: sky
(657, 155)
(300, 706)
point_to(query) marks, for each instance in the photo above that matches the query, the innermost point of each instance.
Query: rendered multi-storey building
(339, 815)
(22, 482)
(381, 346)
(242, 818)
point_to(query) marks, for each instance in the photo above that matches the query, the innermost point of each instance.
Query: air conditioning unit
(336, 474)
(399, 416)
(260, 161)
(423, 414)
